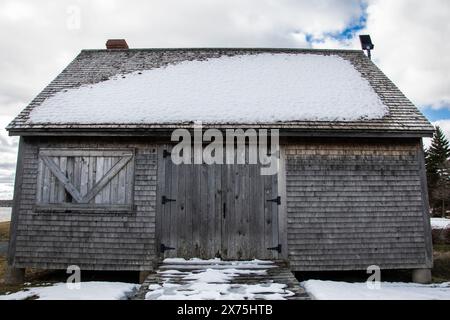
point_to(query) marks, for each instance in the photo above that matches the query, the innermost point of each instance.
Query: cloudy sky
(38, 38)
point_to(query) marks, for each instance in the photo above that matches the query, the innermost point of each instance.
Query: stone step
(275, 273)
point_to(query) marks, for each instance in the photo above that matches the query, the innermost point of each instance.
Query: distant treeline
(6, 203)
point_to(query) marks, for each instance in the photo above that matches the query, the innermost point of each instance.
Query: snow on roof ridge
(250, 49)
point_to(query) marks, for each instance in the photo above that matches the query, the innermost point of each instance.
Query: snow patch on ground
(333, 290)
(440, 223)
(94, 290)
(191, 261)
(259, 88)
(214, 284)
(220, 276)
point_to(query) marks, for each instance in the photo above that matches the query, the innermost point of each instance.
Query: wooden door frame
(282, 208)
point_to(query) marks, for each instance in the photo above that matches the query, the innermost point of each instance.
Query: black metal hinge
(277, 248)
(164, 200)
(163, 248)
(166, 154)
(277, 200)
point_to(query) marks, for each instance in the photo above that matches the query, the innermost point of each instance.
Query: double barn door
(207, 211)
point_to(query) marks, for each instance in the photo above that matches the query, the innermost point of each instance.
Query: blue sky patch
(436, 114)
(349, 31)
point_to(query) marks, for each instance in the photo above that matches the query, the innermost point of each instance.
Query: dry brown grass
(33, 277)
(3, 287)
(441, 268)
(4, 231)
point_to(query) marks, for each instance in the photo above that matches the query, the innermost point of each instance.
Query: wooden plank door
(250, 213)
(189, 215)
(208, 211)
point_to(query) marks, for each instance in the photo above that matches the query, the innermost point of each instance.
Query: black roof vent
(366, 44)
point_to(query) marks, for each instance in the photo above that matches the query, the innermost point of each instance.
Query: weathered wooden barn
(103, 193)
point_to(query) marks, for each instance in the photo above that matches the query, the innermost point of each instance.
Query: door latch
(166, 153)
(163, 248)
(277, 200)
(277, 248)
(164, 200)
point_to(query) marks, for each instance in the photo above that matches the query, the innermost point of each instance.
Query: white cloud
(16, 11)
(411, 46)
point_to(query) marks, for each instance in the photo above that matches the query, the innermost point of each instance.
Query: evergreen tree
(441, 192)
(439, 150)
(436, 162)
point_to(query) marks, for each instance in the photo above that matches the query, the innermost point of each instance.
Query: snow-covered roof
(262, 88)
(164, 88)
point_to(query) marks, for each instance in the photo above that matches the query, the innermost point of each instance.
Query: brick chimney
(114, 44)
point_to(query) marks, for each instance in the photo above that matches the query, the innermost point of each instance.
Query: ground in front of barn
(51, 285)
(394, 285)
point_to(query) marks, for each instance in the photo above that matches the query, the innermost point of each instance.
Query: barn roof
(94, 75)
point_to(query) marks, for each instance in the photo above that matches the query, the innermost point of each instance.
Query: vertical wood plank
(194, 199)
(239, 235)
(210, 191)
(122, 187)
(205, 190)
(115, 187)
(223, 204)
(53, 183)
(178, 209)
(129, 181)
(246, 182)
(100, 162)
(61, 189)
(110, 185)
(40, 180)
(160, 191)
(92, 163)
(168, 228)
(70, 176)
(253, 211)
(77, 172)
(174, 213)
(84, 171)
(218, 210)
(46, 185)
(273, 212)
(269, 208)
(189, 207)
(106, 192)
(231, 216)
(196, 206)
(260, 215)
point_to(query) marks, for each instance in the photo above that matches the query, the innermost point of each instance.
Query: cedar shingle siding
(351, 205)
(102, 241)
